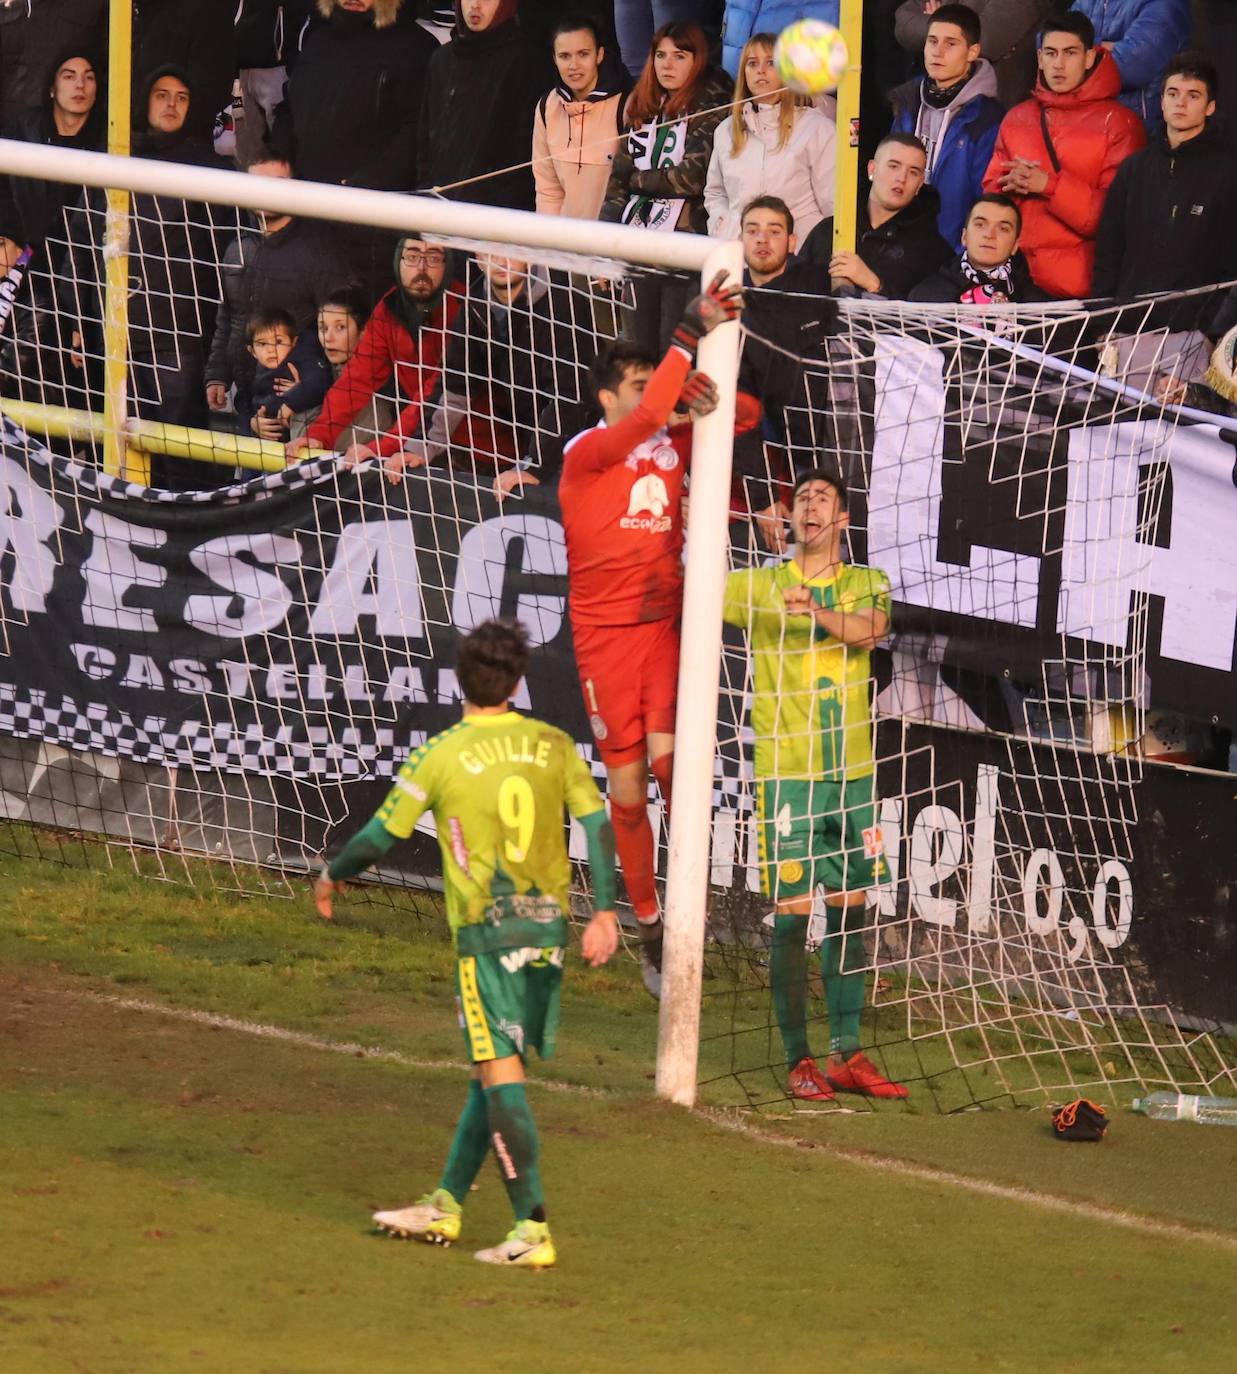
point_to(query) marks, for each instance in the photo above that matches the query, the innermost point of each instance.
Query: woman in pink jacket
(577, 127)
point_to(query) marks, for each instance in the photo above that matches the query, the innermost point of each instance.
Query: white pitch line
(351, 1049)
(729, 1121)
(925, 1173)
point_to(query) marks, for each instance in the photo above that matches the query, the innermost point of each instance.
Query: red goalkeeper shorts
(629, 675)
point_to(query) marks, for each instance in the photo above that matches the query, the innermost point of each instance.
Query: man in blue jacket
(954, 112)
(1140, 35)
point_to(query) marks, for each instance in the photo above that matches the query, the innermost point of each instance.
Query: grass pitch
(178, 1195)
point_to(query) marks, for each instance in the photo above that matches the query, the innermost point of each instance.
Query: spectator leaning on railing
(404, 343)
(990, 270)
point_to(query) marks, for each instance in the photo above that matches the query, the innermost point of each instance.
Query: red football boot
(859, 1075)
(807, 1083)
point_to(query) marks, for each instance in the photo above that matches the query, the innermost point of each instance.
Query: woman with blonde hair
(773, 143)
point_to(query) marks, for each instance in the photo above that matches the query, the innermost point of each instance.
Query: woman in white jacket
(772, 143)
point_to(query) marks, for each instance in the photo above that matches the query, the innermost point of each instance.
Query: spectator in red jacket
(404, 341)
(1058, 152)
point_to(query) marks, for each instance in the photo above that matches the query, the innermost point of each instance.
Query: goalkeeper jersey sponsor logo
(647, 505)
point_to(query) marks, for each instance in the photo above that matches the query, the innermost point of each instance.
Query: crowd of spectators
(1017, 153)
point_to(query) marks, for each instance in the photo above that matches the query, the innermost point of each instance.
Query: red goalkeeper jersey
(621, 500)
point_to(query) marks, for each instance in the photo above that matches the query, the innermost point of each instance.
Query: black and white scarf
(987, 283)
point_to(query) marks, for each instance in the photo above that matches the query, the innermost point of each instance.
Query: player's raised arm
(638, 402)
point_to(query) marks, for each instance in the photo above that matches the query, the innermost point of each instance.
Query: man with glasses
(404, 342)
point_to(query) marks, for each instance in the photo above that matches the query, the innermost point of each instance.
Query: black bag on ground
(1080, 1120)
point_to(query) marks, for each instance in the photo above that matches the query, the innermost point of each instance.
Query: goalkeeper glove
(699, 395)
(717, 305)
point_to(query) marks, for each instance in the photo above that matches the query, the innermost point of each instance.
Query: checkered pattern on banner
(91, 483)
(292, 752)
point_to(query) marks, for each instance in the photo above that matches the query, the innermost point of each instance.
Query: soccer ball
(810, 57)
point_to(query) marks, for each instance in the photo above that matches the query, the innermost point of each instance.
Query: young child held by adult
(291, 377)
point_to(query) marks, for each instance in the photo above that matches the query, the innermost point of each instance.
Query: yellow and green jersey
(812, 701)
(497, 785)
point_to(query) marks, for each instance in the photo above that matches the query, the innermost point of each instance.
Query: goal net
(214, 660)
(1019, 477)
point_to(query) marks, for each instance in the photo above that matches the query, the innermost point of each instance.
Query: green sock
(842, 961)
(788, 981)
(514, 1133)
(470, 1146)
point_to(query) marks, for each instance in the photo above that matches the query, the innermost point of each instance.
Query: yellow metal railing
(118, 459)
(140, 438)
(846, 193)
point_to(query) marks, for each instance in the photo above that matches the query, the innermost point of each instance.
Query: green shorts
(508, 1001)
(817, 834)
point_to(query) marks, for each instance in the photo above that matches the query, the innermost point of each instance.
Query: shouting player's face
(619, 403)
(817, 517)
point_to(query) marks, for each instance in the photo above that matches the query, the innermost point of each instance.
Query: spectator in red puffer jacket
(1057, 153)
(404, 342)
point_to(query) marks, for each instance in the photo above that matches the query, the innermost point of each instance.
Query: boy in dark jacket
(69, 115)
(1170, 220)
(1168, 225)
(990, 270)
(954, 113)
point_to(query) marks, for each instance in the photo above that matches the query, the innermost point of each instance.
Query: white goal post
(696, 737)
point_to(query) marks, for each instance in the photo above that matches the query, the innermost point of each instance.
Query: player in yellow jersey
(811, 623)
(497, 783)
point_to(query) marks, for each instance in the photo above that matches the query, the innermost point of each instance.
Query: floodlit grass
(177, 1197)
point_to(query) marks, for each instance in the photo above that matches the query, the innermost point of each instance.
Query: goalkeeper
(496, 782)
(621, 499)
(811, 623)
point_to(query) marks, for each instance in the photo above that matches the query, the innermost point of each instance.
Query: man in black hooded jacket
(33, 213)
(32, 33)
(173, 270)
(70, 115)
(199, 37)
(477, 118)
